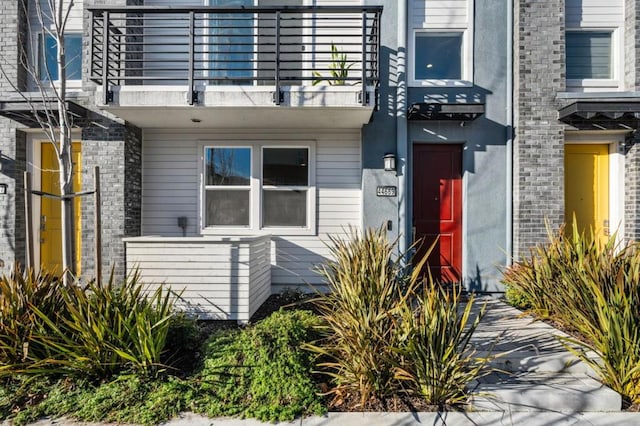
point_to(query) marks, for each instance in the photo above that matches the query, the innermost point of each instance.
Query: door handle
(605, 227)
(413, 233)
(43, 223)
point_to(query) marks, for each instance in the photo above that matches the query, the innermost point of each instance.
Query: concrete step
(543, 392)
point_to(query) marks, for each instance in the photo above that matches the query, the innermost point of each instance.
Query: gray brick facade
(12, 141)
(632, 45)
(538, 149)
(106, 142)
(116, 149)
(539, 145)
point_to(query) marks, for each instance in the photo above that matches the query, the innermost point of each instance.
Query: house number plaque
(387, 191)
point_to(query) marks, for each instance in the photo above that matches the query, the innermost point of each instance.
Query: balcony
(253, 66)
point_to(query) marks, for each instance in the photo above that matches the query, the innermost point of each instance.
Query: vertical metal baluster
(105, 57)
(364, 58)
(277, 64)
(191, 95)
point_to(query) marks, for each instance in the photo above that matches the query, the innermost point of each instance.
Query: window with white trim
(591, 58)
(594, 45)
(441, 43)
(438, 55)
(285, 186)
(227, 190)
(258, 186)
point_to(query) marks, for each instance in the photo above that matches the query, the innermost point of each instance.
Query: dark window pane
(49, 52)
(227, 207)
(284, 208)
(438, 56)
(285, 166)
(227, 166)
(588, 54)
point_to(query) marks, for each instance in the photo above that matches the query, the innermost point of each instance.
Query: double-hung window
(285, 187)
(48, 57)
(227, 188)
(258, 186)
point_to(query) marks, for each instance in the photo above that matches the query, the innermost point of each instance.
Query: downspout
(401, 128)
(509, 130)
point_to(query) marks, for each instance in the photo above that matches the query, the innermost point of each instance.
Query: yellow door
(50, 215)
(586, 193)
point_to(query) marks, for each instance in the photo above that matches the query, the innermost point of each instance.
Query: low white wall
(224, 278)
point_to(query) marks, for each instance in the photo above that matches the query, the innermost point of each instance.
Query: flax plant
(591, 287)
(18, 293)
(389, 331)
(437, 359)
(365, 290)
(108, 328)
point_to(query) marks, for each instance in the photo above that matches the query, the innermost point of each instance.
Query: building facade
(235, 138)
(576, 117)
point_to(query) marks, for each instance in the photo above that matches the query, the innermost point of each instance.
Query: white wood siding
(74, 24)
(171, 185)
(439, 13)
(594, 13)
(218, 278)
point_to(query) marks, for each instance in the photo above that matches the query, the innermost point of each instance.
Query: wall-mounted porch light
(390, 162)
(3, 188)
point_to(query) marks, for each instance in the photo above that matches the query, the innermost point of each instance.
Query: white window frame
(40, 56)
(279, 229)
(206, 187)
(466, 58)
(617, 67)
(255, 204)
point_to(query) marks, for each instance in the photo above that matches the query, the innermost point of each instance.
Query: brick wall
(12, 143)
(538, 149)
(632, 45)
(107, 142)
(632, 83)
(116, 149)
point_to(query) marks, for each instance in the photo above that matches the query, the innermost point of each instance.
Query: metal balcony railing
(203, 46)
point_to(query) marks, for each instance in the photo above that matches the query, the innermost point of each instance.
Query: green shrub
(126, 399)
(260, 371)
(19, 292)
(437, 360)
(592, 287)
(183, 341)
(516, 298)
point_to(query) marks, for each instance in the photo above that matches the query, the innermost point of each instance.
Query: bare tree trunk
(65, 158)
(53, 16)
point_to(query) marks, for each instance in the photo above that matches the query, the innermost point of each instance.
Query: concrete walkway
(537, 372)
(541, 383)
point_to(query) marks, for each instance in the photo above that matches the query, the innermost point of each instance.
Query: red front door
(437, 207)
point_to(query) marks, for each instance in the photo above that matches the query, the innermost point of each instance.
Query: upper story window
(47, 58)
(589, 55)
(438, 55)
(594, 45)
(259, 186)
(441, 43)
